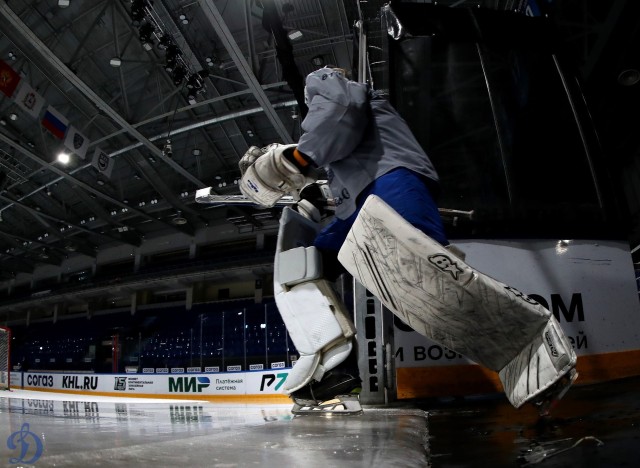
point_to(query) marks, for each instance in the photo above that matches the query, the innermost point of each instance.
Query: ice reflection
(57, 419)
(61, 430)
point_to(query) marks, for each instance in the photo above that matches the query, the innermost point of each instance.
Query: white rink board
(234, 383)
(589, 285)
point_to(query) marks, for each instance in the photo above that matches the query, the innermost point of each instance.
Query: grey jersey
(357, 136)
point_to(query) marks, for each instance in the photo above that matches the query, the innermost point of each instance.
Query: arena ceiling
(173, 92)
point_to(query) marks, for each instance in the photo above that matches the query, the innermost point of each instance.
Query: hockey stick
(205, 196)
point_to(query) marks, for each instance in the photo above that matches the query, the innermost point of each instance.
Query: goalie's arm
(337, 118)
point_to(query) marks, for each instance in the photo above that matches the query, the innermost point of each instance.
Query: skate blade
(341, 405)
(546, 406)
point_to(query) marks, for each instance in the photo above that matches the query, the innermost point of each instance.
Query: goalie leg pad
(435, 292)
(315, 317)
(539, 366)
(319, 329)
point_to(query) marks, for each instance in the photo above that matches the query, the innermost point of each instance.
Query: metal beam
(17, 32)
(195, 61)
(38, 243)
(116, 44)
(151, 176)
(187, 49)
(227, 39)
(187, 108)
(42, 218)
(11, 239)
(72, 180)
(204, 123)
(253, 58)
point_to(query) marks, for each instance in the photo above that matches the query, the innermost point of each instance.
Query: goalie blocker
(446, 300)
(268, 175)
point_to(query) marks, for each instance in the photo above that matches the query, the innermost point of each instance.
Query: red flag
(9, 79)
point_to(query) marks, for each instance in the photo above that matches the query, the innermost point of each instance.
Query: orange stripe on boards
(609, 366)
(271, 398)
(426, 382)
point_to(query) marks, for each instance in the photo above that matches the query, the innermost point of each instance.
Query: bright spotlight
(64, 158)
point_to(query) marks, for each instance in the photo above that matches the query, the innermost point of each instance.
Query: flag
(55, 122)
(29, 100)
(76, 142)
(9, 79)
(102, 162)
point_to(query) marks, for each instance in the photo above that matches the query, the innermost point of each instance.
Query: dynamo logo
(28, 443)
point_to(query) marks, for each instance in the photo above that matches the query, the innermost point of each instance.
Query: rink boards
(589, 286)
(256, 386)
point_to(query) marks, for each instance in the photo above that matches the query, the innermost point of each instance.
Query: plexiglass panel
(501, 117)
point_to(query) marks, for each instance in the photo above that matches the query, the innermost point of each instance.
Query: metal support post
(374, 323)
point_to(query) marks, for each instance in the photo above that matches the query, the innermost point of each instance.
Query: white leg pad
(435, 292)
(538, 366)
(319, 329)
(316, 319)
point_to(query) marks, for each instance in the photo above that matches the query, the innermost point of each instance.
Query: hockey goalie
(386, 231)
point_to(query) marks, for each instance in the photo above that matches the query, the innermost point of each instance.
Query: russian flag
(55, 122)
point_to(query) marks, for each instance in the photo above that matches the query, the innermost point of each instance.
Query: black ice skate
(549, 399)
(337, 393)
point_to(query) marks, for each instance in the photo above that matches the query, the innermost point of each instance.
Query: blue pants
(405, 192)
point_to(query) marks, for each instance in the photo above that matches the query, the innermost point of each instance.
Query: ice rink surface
(595, 426)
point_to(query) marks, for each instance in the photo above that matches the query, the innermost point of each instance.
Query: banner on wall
(179, 385)
(55, 122)
(76, 142)
(29, 100)
(9, 79)
(102, 162)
